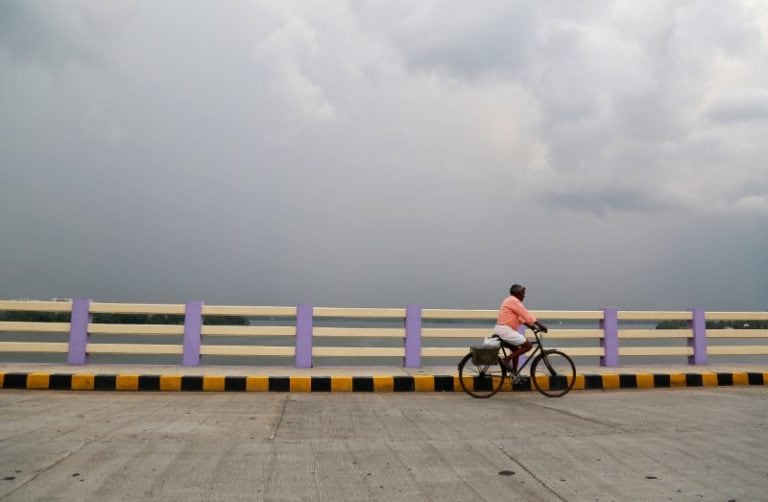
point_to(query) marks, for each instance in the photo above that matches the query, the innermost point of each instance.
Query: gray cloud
(370, 154)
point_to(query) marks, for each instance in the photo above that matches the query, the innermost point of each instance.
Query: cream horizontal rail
(576, 333)
(358, 352)
(35, 306)
(136, 308)
(218, 330)
(34, 327)
(359, 312)
(456, 332)
(738, 350)
(456, 314)
(737, 333)
(648, 315)
(51, 347)
(737, 316)
(568, 315)
(135, 329)
(134, 348)
(655, 333)
(359, 332)
(655, 351)
(246, 311)
(245, 350)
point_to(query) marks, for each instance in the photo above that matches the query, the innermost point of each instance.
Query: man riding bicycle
(512, 314)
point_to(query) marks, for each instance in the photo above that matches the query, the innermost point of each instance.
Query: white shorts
(509, 335)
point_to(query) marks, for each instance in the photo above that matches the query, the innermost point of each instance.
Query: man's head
(517, 291)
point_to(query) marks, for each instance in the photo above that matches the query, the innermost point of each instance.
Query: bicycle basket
(484, 355)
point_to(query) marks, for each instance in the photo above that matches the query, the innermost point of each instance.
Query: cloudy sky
(385, 153)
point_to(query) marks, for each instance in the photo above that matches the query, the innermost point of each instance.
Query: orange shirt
(513, 313)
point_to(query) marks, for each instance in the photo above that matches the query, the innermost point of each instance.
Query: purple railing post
(78, 331)
(193, 329)
(412, 336)
(304, 313)
(698, 324)
(610, 340)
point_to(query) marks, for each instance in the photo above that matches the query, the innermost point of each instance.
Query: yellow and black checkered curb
(400, 383)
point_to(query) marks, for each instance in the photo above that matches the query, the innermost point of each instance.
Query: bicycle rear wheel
(553, 373)
(481, 380)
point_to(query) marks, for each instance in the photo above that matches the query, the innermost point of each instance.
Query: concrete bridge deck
(673, 444)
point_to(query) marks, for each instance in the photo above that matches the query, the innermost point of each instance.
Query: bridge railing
(305, 335)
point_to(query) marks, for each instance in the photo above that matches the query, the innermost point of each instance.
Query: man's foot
(515, 377)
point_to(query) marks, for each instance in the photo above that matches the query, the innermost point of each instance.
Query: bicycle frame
(538, 348)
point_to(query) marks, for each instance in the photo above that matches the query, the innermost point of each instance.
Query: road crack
(279, 420)
(44, 470)
(530, 473)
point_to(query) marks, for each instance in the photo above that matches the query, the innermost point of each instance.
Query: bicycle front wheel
(553, 373)
(481, 380)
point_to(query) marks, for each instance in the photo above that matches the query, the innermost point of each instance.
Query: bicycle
(482, 371)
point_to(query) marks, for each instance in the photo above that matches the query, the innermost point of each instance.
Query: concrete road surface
(677, 444)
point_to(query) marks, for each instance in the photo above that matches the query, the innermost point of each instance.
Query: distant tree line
(23, 316)
(715, 324)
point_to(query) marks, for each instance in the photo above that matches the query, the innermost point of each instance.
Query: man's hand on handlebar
(537, 326)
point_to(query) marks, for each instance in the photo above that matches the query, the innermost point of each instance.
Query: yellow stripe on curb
(170, 382)
(257, 384)
(709, 379)
(214, 383)
(38, 380)
(2, 379)
(301, 384)
(82, 382)
(383, 384)
(423, 383)
(579, 383)
(127, 382)
(611, 381)
(341, 384)
(740, 379)
(645, 381)
(677, 380)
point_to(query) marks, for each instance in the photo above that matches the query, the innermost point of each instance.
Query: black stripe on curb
(149, 382)
(193, 383)
(105, 382)
(661, 381)
(755, 379)
(362, 384)
(724, 379)
(320, 384)
(444, 383)
(628, 381)
(60, 382)
(279, 384)
(403, 383)
(593, 382)
(15, 381)
(235, 383)
(693, 380)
